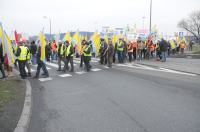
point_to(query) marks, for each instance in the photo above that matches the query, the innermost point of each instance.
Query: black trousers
(2, 70)
(43, 66)
(22, 64)
(81, 63)
(87, 62)
(130, 54)
(67, 61)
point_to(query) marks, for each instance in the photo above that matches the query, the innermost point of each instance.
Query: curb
(24, 121)
(169, 68)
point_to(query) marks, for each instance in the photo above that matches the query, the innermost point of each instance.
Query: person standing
(120, 49)
(110, 52)
(81, 52)
(61, 55)
(22, 58)
(130, 51)
(163, 49)
(140, 47)
(48, 52)
(87, 56)
(41, 64)
(1, 62)
(182, 46)
(69, 52)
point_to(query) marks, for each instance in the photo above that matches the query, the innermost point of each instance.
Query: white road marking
(65, 75)
(48, 68)
(45, 79)
(27, 69)
(96, 69)
(177, 72)
(106, 67)
(154, 69)
(81, 72)
(51, 64)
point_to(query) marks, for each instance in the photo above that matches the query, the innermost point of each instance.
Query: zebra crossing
(53, 66)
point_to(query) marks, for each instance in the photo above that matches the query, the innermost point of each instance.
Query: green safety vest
(120, 46)
(86, 49)
(23, 53)
(61, 50)
(67, 51)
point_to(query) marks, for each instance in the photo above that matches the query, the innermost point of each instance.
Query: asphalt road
(126, 98)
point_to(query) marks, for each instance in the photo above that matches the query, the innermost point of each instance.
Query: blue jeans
(120, 56)
(33, 58)
(163, 56)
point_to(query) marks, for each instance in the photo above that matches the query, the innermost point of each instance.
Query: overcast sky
(27, 15)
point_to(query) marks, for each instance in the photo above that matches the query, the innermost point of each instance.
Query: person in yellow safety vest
(69, 53)
(87, 56)
(120, 48)
(22, 57)
(28, 58)
(182, 46)
(61, 57)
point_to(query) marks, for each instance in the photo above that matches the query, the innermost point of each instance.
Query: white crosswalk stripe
(65, 75)
(81, 72)
(45, 79)
(96, 69)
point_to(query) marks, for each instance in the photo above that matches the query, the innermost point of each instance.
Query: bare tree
(192, 24)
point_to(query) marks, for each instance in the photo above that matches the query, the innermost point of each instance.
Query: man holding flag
(41, 58)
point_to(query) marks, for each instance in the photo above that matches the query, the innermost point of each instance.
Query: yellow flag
(172, 44)
(43, 44)
(76, 37)
(67, 37)
(114, 39)
(8, 49)
(106, 38)
(96, 40)
(1, 36)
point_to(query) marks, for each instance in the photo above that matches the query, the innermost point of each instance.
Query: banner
(42, 44)
(77, 39)
(8, 49)
(16, 38)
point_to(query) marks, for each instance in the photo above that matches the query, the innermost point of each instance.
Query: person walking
(1, 62)
(33, 50)
(28, 63)
(61, 55)
(22, 58)
(87, 56)
(41, 64)
(69, 52)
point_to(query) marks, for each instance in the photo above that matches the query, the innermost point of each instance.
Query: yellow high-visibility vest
(23, 53)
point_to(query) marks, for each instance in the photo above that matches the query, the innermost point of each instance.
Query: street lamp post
(45, 17)
(150, 16)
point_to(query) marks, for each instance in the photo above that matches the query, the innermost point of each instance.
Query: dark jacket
(33, 49)
(110, 50)
(163, 45)
(38, 55)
